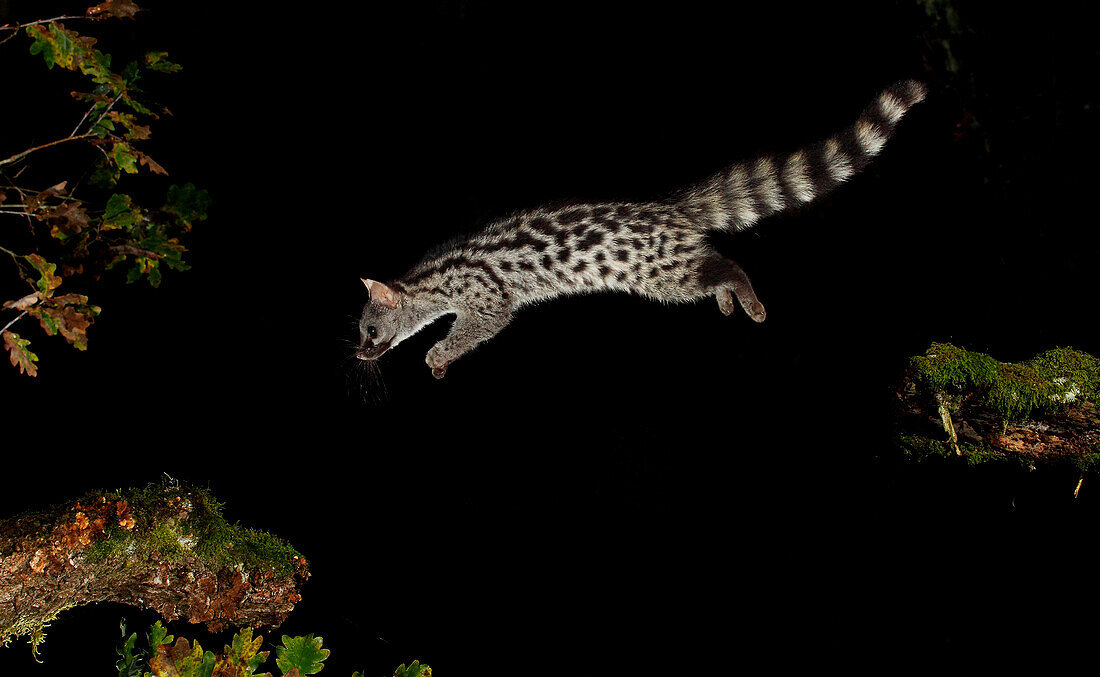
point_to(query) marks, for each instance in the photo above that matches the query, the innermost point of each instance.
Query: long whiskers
(363, 378)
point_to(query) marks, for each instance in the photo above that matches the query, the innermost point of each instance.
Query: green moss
(920, 448)
(172, 522)
(1049, 381)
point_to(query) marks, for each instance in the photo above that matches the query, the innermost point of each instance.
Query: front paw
(437, 362)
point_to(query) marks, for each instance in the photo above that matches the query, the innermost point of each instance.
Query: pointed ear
(380, 293)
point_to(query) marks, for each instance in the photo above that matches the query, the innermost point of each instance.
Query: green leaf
(303, 653)
(47, 280)
(158, 635)
(129, 663)
(105, 174)
(54, 44)
(131, 74)
(124, 157)
(187, 203)
(120, 213)
(70, 50)
(242, 656)
(154, 276)
(415, 669)
(158, 61)
(182, 660)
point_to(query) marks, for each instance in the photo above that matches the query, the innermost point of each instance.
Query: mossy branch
(1044, 410)
(164, 547)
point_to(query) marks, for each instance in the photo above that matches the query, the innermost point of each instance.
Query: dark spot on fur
(526, 265)
(542, 225)
(600, 257)
(621, 276)
(590, 240)
(522, 239)
(622, 255)
(580, 266)
(603, 271)
(546, 261)
(564, 253)
(572, 216)
(505, 265)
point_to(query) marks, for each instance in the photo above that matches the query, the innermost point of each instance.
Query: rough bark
(163, 548)
(1042, 411)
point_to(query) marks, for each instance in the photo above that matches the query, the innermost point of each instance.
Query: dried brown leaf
(121, 9)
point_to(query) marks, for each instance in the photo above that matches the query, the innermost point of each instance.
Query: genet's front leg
(468, 331)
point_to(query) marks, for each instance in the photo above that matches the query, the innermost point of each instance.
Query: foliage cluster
(297, 657)
(76, 232)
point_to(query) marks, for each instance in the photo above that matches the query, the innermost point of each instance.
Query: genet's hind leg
(728, 279)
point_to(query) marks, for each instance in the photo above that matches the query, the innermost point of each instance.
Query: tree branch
(13, 321)
(19, 156)
(165, 547)
(956, 403)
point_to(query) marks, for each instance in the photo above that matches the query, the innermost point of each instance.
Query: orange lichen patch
(125, 517)
(301, 568)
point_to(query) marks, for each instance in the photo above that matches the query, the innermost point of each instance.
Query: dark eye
(372, 332)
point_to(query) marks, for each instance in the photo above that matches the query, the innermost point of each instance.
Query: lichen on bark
(956, 402)
(163, 547)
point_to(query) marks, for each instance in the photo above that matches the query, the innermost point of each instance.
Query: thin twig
(100, 118)
(14, 320)
(19, 156)
(86, 114)
(9, 27)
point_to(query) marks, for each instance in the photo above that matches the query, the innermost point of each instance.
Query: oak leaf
(303, 654)
(19, 354)
(120, 9)
(415, 669)
(242, 656)
(182, 660)
(47, 280)
(70, 315)
(66, 220)
(25, 302)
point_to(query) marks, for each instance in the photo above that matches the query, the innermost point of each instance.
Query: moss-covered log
(1042, 411)
(165, 547)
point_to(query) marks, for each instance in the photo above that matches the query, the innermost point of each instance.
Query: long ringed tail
(739, 196)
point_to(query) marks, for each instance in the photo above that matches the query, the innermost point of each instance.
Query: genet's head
(382, 324)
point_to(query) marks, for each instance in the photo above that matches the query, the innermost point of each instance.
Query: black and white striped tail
(738, 197)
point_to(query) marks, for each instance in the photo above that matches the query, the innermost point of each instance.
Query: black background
(610, 485)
